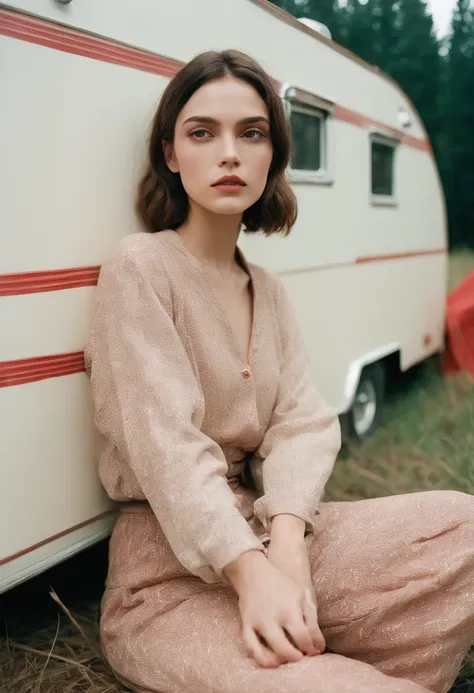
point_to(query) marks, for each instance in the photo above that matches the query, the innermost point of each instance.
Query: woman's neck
(213, 238)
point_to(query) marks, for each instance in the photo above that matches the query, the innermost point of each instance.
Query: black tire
(372, 381)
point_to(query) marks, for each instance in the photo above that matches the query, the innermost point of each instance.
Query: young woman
(219, 447)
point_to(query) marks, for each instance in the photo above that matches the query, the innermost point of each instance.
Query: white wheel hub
(365, 407)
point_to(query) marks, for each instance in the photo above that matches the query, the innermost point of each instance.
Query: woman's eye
(200, 134)
(254, 134)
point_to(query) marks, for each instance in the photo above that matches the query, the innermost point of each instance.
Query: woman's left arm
(303, 438)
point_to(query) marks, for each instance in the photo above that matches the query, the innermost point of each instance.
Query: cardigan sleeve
(148, 405)
(303, 438)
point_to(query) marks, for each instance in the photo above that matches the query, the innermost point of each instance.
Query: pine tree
(287, 5)
(386, 33)
(356, 29)
(417, 67)
(458, 169)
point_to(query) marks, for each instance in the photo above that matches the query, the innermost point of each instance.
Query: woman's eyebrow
(254, 119)
(212, 121)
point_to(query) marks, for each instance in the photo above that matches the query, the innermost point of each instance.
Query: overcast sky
(442, 12)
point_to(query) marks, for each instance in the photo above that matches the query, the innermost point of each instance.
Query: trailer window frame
(305, 103)
(389, 140)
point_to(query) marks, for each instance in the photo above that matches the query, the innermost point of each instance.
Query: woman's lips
(228, 187)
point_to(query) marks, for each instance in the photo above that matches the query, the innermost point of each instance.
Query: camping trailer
(365, 264)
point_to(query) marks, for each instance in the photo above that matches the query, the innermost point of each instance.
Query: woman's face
(222, 147)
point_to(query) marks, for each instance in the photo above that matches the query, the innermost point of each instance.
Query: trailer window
(383, 160)
(311, 134)
(307, 128)
(383, 155)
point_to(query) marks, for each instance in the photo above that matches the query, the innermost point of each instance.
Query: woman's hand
(288, 553)
(272, 607)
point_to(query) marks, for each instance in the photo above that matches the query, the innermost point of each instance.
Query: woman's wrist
(288, 551)
(287, 529)
(244, 567)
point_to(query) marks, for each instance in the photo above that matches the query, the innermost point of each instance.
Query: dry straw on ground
(68, 661)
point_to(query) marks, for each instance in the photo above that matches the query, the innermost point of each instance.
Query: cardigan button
(246, 374)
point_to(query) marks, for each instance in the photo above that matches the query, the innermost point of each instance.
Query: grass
(460, 263)
(427, 443)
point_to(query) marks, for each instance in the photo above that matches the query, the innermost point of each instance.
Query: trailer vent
(316, 26)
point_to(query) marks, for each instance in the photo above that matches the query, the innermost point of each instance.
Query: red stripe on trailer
(30, 370)
(61, 38)
(48, 280)
(399, 256)
(347, 115)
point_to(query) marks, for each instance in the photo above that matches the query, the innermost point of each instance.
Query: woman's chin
(230, 207)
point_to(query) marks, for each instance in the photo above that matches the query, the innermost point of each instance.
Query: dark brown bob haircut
(162, 201)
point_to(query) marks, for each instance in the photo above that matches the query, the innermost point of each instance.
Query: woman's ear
(170, 158)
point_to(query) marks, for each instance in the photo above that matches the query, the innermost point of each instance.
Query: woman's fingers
(276, 639)
(301, 636)
(311, 619)
(279, 616)
(257, 651)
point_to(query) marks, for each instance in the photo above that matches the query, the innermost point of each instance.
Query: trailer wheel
(365, 414)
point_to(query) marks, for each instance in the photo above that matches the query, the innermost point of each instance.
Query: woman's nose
(229, 153)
